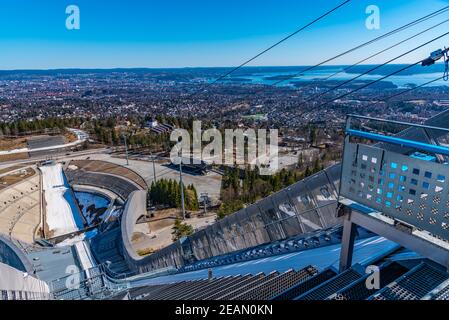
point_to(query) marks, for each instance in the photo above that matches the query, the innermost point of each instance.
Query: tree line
(242, 187)
(24, 127)
(168, 192)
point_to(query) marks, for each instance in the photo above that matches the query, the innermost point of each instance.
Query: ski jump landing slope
(62, 212)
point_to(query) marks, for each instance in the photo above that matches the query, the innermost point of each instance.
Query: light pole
(181, 185)
(182, 191)
(205, 197)
(154, 168)
(126, 150)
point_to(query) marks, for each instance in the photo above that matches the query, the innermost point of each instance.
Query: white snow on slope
(61, 206)
(85, 256)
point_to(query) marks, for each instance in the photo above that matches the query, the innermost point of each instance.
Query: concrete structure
(20, 209)
(11, 255)
(17, 285)
(134, 208)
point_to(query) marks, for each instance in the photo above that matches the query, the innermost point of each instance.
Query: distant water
(400, 80)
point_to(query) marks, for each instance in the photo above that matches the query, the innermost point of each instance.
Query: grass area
(145, 252)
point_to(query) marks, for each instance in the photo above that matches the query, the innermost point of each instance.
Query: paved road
(210, 183)
(62, 157)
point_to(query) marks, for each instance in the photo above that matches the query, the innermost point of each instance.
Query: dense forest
(24, 127)
(168, 192)
(107, 131)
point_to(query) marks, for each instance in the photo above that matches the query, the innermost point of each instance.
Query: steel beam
(347, 243)
(410, 241)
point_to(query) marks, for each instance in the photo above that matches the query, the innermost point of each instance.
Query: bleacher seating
(119, 186)
(399, 280)
(109, 168)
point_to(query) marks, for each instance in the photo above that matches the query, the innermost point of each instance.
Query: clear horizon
(203, 34)
(198, 67)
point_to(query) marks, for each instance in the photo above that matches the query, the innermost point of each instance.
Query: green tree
(180, 230)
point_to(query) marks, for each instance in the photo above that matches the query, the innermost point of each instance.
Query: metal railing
(406, 182)
(91, 284)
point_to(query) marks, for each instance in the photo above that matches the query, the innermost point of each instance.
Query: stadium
(355, 207)
(382, 210)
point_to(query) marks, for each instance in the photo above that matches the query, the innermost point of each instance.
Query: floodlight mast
(181, 185)
(126, 150)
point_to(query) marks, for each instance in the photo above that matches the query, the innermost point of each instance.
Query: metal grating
(173, 288)
(218, 288)
(221, 294)
(257, 281)
(213, 283)
(414, 285)
(442, 295)
(273, 287)
(359, 290)
(307, 285)
(179, 290)
(149, 291)
(332, 286)
(402, 187)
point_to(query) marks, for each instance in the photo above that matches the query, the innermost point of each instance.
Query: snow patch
(61, 207)
(93, 206)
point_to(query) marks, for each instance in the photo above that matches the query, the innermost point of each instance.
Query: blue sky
(190, 33)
